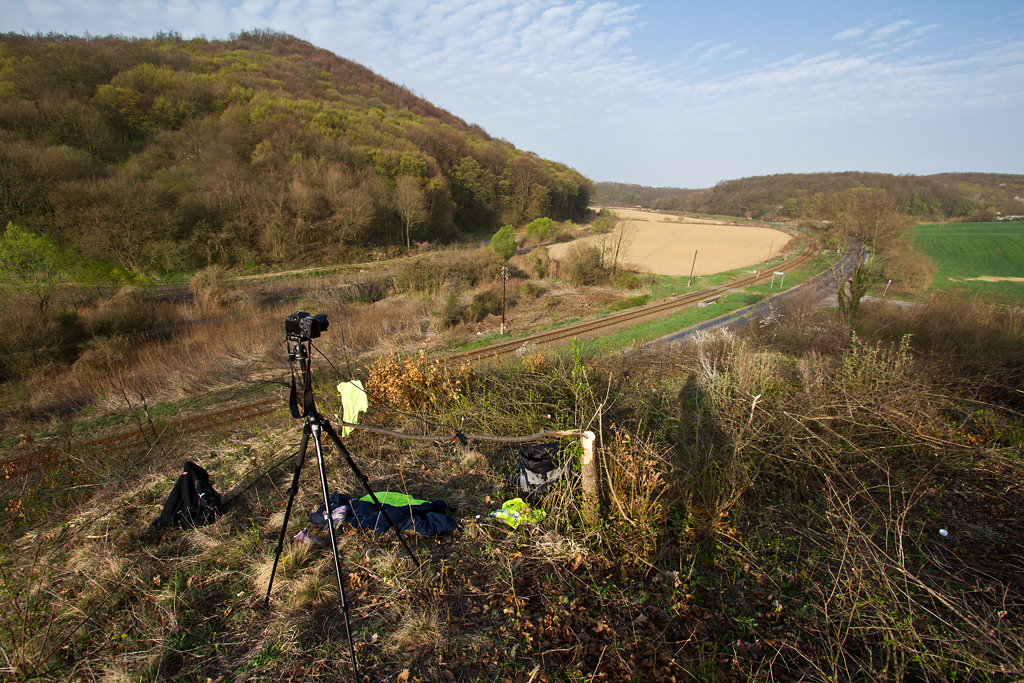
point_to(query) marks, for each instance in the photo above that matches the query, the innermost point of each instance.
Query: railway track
(655, 310)
(191, 425)
(44, 455)
(223, 418)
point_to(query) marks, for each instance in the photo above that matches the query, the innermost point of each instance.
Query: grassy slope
(773, 514)
(770, 517)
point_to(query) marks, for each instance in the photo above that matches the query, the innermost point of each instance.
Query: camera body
(301, 326)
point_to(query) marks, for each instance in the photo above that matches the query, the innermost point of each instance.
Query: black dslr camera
(301, 326)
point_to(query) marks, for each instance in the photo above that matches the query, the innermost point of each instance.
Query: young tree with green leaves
(504, 242)
(538, 229)
(34, 265)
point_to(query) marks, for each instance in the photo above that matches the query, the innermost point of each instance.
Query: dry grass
(952, 324)
(420, 631)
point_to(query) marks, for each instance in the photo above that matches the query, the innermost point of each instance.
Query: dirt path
(661, 244)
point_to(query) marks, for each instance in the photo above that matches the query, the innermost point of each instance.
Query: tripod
(313, 426)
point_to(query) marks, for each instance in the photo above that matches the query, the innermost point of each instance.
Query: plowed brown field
(661, 244)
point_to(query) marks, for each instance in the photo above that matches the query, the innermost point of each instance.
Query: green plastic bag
(515, 512)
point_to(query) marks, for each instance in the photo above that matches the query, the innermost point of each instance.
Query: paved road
(822, 287)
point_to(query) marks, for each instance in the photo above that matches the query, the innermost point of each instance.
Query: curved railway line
(222, 418)
(655, 310)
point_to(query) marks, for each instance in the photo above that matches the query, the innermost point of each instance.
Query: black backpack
(193, 501)
(539, 466)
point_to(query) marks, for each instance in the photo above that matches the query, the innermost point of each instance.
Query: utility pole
(694, 266)
(770, 247)
(504, 279)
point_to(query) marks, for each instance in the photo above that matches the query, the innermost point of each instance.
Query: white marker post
(504, 279)
(591, 494)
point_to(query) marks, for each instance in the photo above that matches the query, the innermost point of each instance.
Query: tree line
(164, 154)
(796, 196)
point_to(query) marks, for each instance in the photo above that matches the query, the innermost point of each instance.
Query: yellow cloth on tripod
(353, 402)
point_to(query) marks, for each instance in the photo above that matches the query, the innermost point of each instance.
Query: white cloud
(848, 33)
(918, 32)
(884, 33)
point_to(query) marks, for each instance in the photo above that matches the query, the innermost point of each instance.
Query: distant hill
(623, 194)
(170, 154)
(970, 196)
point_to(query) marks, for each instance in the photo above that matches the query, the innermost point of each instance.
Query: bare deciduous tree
(862, 224)
(410, 204)
(617, 244)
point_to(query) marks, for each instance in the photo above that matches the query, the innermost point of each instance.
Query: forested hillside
(971, 196)
(168, 154)
(628, 194)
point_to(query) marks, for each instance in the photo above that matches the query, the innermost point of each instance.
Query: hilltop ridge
(943, 196)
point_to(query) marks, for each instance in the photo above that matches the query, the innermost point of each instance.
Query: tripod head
(300, 327)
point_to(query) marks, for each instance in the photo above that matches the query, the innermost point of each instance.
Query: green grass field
(963, 252)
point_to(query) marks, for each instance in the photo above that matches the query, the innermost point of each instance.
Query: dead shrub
(952, 324)
(128, 312)
(213, 290)
(29, 341)
(910, 270)
(487, 301)
(537, 263)
(799, 326)
(103, 355)
(536, 362)
(415, 383)
(435, 271)
(582, 264)
(395, 320)
(720, 423)
(531, 290)
(638, 482)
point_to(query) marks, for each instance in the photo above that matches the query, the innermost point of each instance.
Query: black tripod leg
(288, 510)
(366, 485)
(334, 546)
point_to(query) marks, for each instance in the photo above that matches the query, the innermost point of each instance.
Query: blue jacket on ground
(427, 519)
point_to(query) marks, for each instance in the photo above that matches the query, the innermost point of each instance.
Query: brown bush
(910, 270)
(415, 383)
(212, 289)
(952, 324)
(394, 320)
(537, 264)
(582, 264)
(128, 312)
(433, 272)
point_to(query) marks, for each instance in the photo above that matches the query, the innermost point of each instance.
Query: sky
(666, 93)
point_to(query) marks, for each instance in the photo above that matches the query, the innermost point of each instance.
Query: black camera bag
(193, 501)
(539, 466)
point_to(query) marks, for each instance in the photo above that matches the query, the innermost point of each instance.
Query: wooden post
(591, 495)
